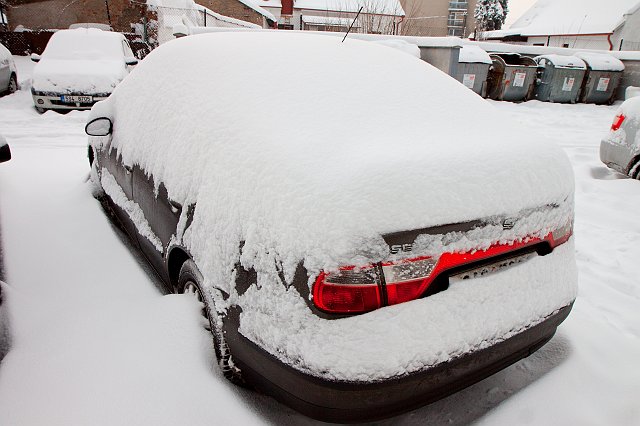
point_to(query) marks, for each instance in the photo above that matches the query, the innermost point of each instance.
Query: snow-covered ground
(96, 342)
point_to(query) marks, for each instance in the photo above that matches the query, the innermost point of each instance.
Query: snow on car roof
(563, 61)
(474, 54)
(306, 168)
(601, 61)
(84, 43)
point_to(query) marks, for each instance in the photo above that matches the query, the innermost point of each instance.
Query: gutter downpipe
(609, 40)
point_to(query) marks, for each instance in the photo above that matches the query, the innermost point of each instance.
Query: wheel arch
(175, 259)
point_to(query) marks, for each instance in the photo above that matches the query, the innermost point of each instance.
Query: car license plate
(76, 99)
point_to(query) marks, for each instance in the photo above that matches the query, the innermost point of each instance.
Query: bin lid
(563, 61)
(601, 61)
(474, 54)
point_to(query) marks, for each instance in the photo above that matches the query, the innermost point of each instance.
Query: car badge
(508, 223)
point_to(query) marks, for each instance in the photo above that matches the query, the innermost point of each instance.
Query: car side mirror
(100, 126)
(130, 60)
(35, 57)
(5, 153)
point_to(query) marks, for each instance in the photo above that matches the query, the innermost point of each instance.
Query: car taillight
(356, 290)
(408, 279)
(617, 122)
(349, 290)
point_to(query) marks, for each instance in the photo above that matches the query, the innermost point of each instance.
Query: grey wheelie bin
(604, 73)
(511, 77)
(560, 78)
(473, 69)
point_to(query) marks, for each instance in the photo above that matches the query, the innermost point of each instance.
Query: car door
(5, 71)
(161, 214)
(110, 161)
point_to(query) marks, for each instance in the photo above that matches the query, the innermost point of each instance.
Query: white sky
(516, 9)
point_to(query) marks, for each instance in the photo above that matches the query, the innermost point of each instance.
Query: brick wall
(59, 14)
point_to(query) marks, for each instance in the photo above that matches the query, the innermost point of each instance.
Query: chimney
(287, 8)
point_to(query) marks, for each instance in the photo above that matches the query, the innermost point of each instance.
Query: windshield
(81, 44)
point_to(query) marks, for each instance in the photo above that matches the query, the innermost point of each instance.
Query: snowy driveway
(95, 341)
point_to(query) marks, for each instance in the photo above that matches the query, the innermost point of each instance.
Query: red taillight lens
(617, 122)
(408, 279)
(349, 290)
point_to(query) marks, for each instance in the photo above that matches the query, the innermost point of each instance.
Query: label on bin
(469, 80)
(568, 84)
(603, 84)
(518, 79)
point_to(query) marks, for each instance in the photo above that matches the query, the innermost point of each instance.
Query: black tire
(190, 281)
(40, 110)
(634, 171)
(13, 84)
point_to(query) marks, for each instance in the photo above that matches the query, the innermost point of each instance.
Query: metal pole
(106, 3)
(205, 16)
(354, 21)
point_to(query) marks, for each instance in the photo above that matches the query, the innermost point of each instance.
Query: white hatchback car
(80, 67)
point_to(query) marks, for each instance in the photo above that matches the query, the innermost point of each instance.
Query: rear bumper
(340, 401)
(616, 156)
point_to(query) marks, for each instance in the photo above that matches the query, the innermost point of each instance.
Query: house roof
(383, 7)
(564, 17)
(191, 4)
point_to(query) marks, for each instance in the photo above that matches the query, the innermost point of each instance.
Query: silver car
(8, 74)
(620, 149)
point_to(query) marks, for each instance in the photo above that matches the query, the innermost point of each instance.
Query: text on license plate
(76, 99)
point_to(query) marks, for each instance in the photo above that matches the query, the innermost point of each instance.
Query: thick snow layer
(472, 314)
(601, 61)
(556, 17)
(94, 343)
(403, 46)
(563, 61)
(473, 54)
(87, 61)
(330, 216)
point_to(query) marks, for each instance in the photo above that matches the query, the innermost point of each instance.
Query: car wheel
(13, 84)
(190, 282)
(40, 110)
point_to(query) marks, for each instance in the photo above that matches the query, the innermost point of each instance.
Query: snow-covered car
(80, 67)
(364, 235)
(8, 73)
(620, 149)
(5, 151)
